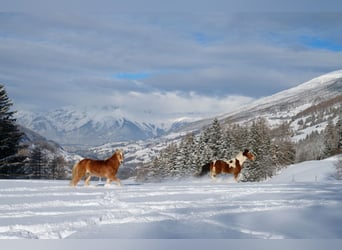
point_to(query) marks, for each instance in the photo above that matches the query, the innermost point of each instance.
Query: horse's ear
(246, 151)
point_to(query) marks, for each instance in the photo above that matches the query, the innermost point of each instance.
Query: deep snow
(304, 201)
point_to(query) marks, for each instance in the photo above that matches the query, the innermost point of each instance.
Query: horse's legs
(109, 180)
(74, 181)
(86, 182)
(237, 177)
(213, 173)
(117, 180)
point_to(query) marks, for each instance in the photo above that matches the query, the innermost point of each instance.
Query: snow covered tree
(240, 137)
(9, 135)
(203, 149)
(283, 149)
(215, 139)
(330, 139)
(57, 168)
(186, 158)
(260, 142)
(338, 166)
(310, 148)
(38, 163)
(339, 134)
(283, 153)
(229, 148)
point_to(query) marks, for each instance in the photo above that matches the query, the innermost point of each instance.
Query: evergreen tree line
(320, 145)
(273, 148)
(19, 160)
(36, 162)
(10, 135)
(215, 142)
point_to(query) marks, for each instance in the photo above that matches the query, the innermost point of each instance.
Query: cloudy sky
(199, 59)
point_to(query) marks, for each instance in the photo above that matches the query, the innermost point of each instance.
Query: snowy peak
(325, 85)
(89, 125)
(307, 107)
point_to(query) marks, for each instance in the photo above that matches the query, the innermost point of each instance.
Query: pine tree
(260, 141)
(330, 139)
(215, 139)
(9, 134)
(229, 147)
(338, 166)
(57, 170)
(190, 155)
(240, 137)
(37, 163)
(339, 134)
(204, 151)
(283, 150)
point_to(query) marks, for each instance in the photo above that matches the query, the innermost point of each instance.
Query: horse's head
(249, 155)
(119, 155)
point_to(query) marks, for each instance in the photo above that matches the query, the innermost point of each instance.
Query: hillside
(44, 154)
(306, 107)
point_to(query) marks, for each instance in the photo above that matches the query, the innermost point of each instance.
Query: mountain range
(91, 126)
(306, 108)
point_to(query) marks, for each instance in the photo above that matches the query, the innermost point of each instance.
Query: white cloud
(159, 107)
(53, 60)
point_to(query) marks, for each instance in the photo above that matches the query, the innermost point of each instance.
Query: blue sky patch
(318, 43)
(132, 76)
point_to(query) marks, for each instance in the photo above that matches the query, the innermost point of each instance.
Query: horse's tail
(205, 169)
(77, 174)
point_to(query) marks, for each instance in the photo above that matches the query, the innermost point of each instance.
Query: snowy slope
(308, 171)
(195, 208)
(292, 105)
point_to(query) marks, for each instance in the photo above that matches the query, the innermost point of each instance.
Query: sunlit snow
(304, 201)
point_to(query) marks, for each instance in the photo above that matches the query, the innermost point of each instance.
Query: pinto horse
(100, 168)
(232, 166)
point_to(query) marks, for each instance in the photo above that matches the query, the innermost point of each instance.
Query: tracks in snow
(52, 210)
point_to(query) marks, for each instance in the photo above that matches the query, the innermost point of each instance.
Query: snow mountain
(307, 107)
(90, 126)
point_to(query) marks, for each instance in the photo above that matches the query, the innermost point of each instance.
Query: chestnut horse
(100, 168)
(232, 166)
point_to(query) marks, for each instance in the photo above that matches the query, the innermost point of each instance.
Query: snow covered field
(303, 202)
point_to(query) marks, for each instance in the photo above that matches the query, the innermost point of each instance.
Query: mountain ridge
(91, 126)
(282, 106)
(96, 126)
